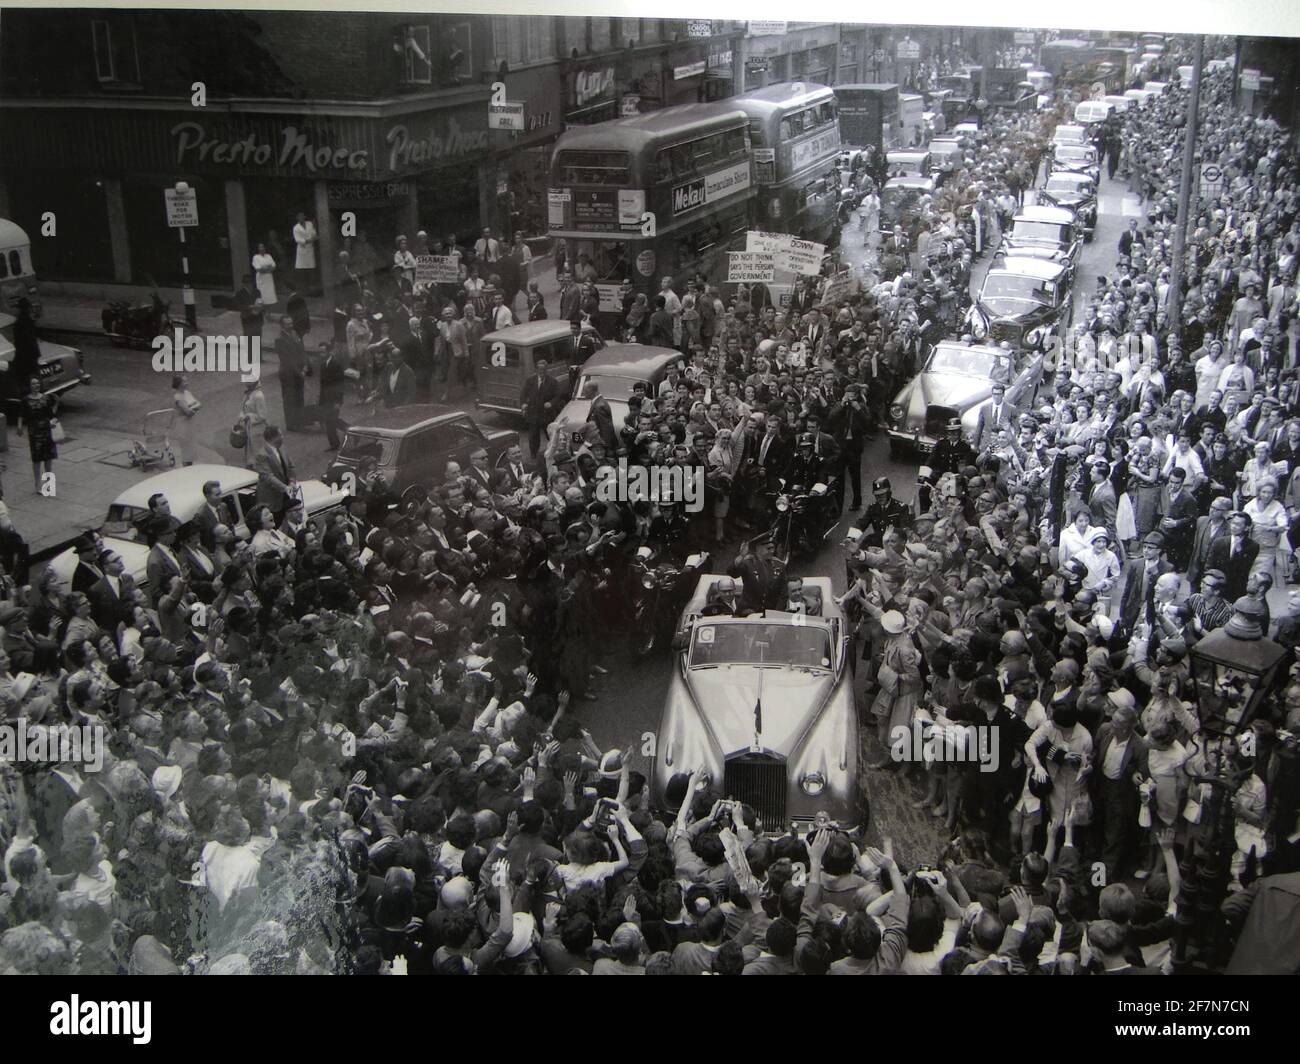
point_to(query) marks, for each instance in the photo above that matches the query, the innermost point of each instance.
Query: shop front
(254, 173)
(810, 54)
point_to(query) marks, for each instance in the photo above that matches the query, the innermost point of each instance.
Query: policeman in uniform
(885, 512)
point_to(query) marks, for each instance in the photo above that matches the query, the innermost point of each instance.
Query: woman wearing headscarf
(638, 318)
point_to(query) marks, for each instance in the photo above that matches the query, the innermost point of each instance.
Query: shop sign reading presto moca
(407, 148)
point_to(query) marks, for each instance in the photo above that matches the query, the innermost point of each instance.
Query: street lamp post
(1233, 669)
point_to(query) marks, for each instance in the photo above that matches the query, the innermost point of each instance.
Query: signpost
(1211, 183)
(182, 203)
(506, 116)
(909, 50)
(1250, 80)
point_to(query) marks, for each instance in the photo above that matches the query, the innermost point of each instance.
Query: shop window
(450, 53)
(116, 58)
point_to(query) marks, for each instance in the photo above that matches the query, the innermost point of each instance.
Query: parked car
(1118, 104)
(184, 491)
(410, 447)
(1025, 302)
(908, 163)
(764, 704)
(1070, 134)
(613, 371)
(955, 381)
(501, 371)
(1075, 192)
(900, 201)
(1051, 233)
(61, 367)
(1091, 113)
(946, 157)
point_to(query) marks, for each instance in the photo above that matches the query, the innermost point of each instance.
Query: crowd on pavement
(351, 743)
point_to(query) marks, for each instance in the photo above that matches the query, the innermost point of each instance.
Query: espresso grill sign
(747, 267)
(692, 195)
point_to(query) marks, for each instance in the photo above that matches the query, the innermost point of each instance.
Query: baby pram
(156, 447)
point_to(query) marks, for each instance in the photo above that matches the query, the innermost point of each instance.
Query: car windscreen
(1074, 153)
(799, 646)
(969, 362)
(1014, 286)
(358, 447)
(1068, 187)
(1039, 231)
(617, 388)
(123, 520)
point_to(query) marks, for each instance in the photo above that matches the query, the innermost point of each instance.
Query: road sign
(506, 116)
(1211, 180)
(699, 27)
(182, 207)
(1250, 80)
(909, 50)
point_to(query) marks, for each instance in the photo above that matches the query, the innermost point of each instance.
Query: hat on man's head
(1154, 539)
(893, 622)
(1122, 699)
(611, 765)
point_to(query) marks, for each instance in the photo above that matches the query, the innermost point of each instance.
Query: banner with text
(749, 266)
(437, 269)
(789, 253)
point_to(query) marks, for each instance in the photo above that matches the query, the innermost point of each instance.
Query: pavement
(71, 307)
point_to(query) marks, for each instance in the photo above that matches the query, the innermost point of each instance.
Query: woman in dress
(35, 418)
(721, 472)
(1269, 527)
(252, 416)
(264, 270)
(1144, 485)
(266, 537)
(187, 409)
(1066, 747)
(899, 677)
(1209, 368)
(1237, 379)
(1164, 790)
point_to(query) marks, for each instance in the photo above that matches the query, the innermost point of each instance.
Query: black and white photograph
(541, 494)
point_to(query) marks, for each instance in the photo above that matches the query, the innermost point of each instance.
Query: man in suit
(87, 572)
(276, 480)
(511, 476)
(1137, 600)
(849, 424)
(1234, 552)
(773, 453)
(1178, 512)
(333, 384)
(162, 565)
(1208, 529)
(292, 369)
(757, 572)
(107, 594)
(1132, 235)
(213, 512)
(994, 416)
(540, 400)
(570, 298)
(397, 383)
(479, 475)
(1102, 500)
(601, 415)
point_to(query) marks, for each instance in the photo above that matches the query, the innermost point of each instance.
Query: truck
(869, 116)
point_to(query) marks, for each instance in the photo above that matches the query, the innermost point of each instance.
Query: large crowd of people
(353, 743)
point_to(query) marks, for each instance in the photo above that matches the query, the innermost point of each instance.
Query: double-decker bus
(688, 167)
(795, 136)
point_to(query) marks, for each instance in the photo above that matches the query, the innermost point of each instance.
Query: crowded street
(827, 502)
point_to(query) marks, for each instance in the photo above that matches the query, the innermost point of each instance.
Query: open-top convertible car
(955, 381)
(764, 704)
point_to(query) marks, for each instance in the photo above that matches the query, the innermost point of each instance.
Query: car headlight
(782, 503)
(896, 412)
(648, 581)
(979, 327)
(812, 784)
(1034, 336)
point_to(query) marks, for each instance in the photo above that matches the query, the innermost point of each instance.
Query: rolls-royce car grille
(1005, 330)
(759, 781)
(937, 418)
